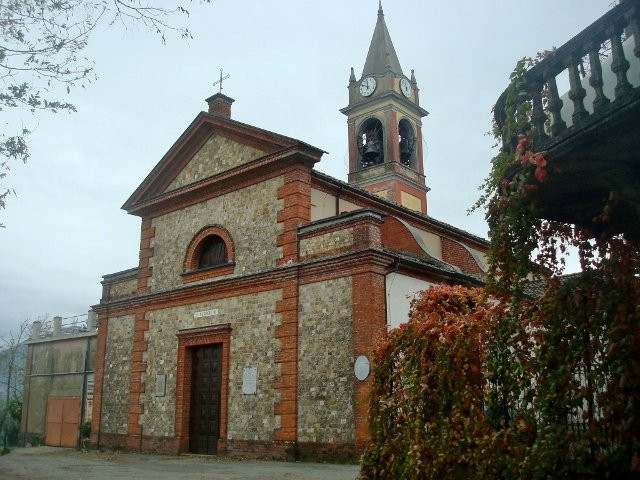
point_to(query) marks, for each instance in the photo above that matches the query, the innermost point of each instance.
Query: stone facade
(216, 156)
(253, 344)
(123, 289)
(117, 362)
(326, 242)
(325, 388)
(248, 214)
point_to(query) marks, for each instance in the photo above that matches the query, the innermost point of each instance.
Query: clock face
(367, 86)
(405, 86)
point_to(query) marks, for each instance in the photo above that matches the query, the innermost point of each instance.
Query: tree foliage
(12, 365)
(41, 56)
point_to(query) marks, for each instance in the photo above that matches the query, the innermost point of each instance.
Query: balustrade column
(595, 80)
(538, 117)
(576, 92)
(555, 105)
(619, 64)
(634, 28)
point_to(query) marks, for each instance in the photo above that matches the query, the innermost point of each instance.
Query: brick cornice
(344, 264)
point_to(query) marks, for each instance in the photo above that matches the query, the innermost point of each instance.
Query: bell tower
(385, 127)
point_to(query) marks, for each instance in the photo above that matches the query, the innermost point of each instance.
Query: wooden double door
(206, 384)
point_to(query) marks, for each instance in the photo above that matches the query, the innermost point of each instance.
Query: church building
(263, 285)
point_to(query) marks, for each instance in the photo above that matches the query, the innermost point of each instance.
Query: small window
(213, 252)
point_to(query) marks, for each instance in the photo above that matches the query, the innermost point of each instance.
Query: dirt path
(50, 463)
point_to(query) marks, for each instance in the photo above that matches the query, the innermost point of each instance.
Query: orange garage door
(63, 414)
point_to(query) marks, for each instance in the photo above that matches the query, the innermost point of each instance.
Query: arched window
(213, 251)
(210, 254)
(406, 141)
(371, 143)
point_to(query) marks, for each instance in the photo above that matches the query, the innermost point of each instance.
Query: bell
(405, 151)
(371, 151)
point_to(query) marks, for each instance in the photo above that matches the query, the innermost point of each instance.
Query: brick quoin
(147, 232)
(98, 379)
(136, 385)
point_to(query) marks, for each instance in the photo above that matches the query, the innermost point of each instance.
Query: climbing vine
(538, 376)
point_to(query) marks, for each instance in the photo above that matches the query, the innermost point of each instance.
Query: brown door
(204, 427)
(63, 414)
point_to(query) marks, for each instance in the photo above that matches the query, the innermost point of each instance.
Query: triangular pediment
(217, 155)
(209, 146)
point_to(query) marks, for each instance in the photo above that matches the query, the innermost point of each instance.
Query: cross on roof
(220, 81)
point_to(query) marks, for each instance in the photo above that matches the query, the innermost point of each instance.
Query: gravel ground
(51, 463)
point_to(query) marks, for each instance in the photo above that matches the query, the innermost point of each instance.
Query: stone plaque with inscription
(161, 384)
(249, 380)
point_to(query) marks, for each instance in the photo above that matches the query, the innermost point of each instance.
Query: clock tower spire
(385, 127)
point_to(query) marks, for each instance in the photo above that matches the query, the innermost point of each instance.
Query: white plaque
(362, 367)
(249, 380)
(206, 313)
(161, 384)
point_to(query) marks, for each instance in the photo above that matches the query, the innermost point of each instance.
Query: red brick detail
(296, 194)
(287, 357)
(395, 187)
(366, 234)
(328, 452)
(260, 449)
(147, 232)
(166, 445)
(353, 150)
(397, 236)
(456, 254)
(188, 339)
(136, 385)
(369, 325)
(211, 272)
(98, 378)
(393, 147)
(420, 152)
(195, 246)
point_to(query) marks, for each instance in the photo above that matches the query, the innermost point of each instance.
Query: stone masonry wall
(250, 216)
(117, 366)
(326, 242)
(325, 386)
(217, 155)
(123, 289)
(253, 344)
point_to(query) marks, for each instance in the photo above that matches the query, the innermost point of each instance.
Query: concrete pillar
(92, 321)
(57, 326)
(35, 329)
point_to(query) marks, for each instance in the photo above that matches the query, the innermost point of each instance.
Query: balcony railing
(605, 34)
(592, 133)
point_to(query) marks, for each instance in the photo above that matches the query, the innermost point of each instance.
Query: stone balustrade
(583, 58)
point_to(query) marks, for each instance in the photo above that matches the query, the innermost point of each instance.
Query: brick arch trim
(190, 265)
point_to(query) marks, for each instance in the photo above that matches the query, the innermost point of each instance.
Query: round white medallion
(362, 367)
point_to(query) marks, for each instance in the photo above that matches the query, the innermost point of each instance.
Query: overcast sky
(289, 63)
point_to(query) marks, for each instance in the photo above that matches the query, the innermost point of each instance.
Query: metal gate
(63, 415)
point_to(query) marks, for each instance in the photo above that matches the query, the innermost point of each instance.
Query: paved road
(50, 463)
